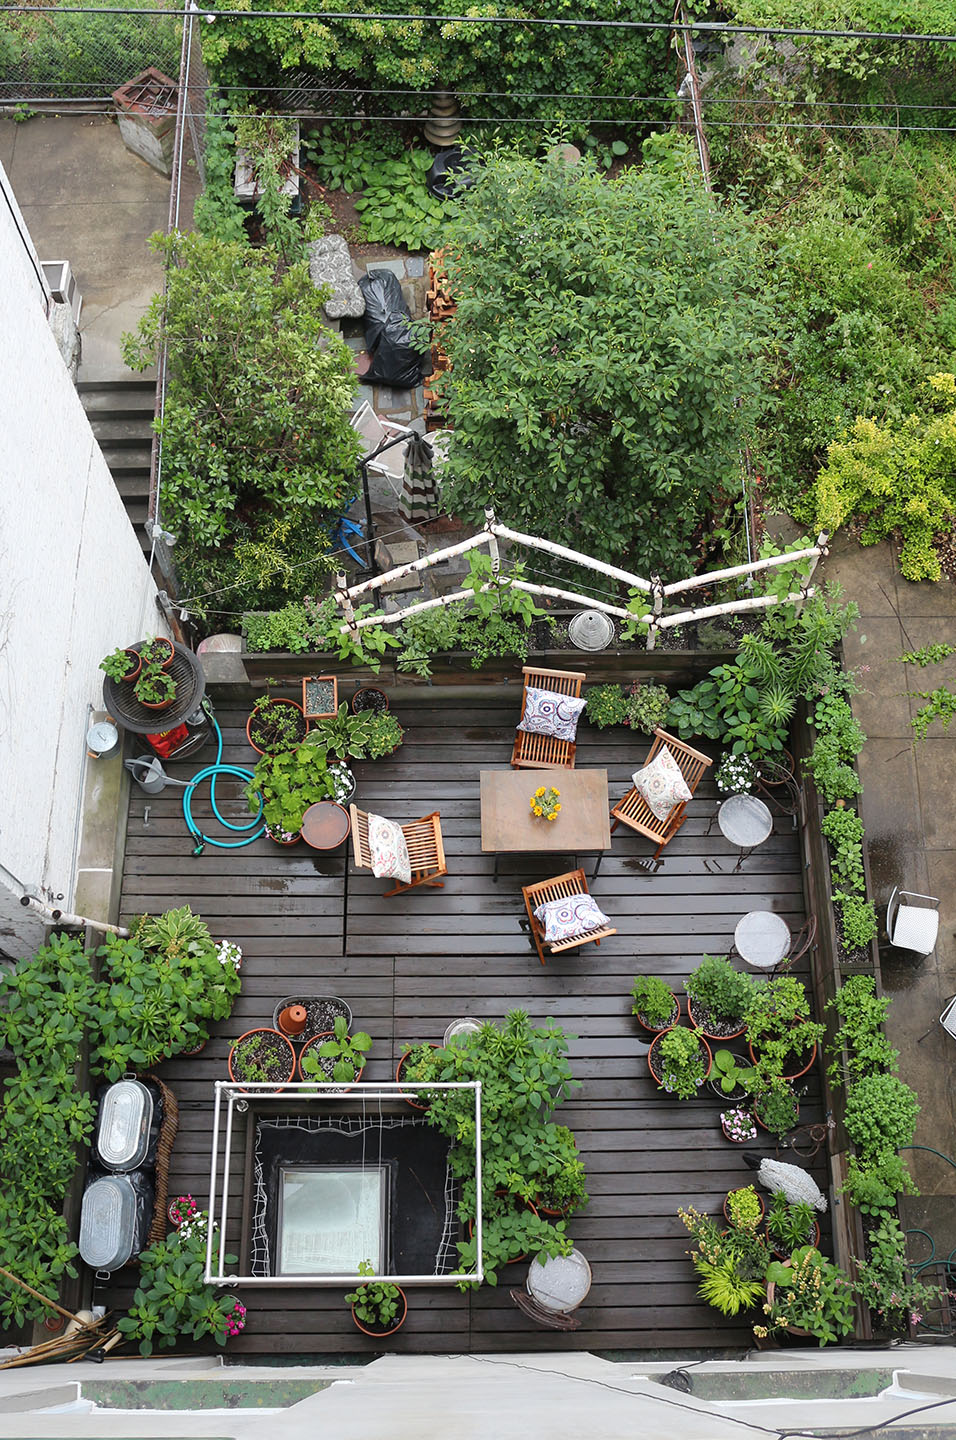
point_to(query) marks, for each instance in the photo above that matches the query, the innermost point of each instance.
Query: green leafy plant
(874, 1186)
(287, 782)
(839, 740)
(720, 990)
(345, 1053)
(776, 1107)
(941, 706)
(812, 1294)
(732, 1077)
(154, 685)
(683, 1062)
(731, 1264)
(790, 1224)
(383, 736)
(745, 1208)
(862, 1015)
(646, 706)
(172, 1302)
(884, 1282)
(927, 655)
(606, 705)
(654, 1001)
(119, 664)
(274, 725)
(880, 1115)
(562, 1185)
(377, 1303)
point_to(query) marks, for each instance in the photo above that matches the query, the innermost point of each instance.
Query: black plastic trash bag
(396, 360)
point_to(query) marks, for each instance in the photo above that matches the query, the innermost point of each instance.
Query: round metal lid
(102, 738)
(123, 705)
(591, 630)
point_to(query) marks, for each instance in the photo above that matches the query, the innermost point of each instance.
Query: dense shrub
(55, 53)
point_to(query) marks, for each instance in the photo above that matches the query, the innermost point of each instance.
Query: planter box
(146, 115)
(246, 187)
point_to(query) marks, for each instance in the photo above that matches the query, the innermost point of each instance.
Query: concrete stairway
(121, 414)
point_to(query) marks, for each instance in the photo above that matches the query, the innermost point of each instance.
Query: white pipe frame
(310, 1091)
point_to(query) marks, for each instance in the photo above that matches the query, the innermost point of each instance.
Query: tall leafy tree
(606, 353)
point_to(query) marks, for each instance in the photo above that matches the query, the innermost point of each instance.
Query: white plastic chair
(373, 431)
(948, 1018)
(912, 927)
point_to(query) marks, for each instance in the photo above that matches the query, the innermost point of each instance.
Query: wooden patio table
(508, 826)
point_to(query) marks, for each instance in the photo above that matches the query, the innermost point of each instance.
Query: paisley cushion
(567, 919)
(546, 712)
(390, 859)
(661, 784)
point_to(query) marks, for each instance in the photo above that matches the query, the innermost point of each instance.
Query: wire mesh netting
(55, 55)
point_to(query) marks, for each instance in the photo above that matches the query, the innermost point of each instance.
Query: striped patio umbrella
(419, 498)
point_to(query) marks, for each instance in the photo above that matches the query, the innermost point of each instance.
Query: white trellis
(655, 588)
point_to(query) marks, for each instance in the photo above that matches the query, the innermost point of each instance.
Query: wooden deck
(410, 964)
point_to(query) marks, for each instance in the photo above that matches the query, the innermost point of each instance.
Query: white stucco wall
(73, 586)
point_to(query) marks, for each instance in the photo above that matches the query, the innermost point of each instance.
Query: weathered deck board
(408, 965)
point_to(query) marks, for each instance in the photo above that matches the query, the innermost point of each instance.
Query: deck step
(121, 416)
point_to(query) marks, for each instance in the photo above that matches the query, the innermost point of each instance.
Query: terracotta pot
(659, 1029)
(415, 1104)
(170, 651)
(277, 841)
(762, 1126)
(264, 1030)
(728, 1136)
(196, 1050)
(292, 1020)
(364, 690)
(156, 704)
(651, 1057)
(133, 674)
(712, 1034)
(381, 1334)
(318, 1040)
(173, 1215)
(763, 1208)
(791, 1075)
(278, 701)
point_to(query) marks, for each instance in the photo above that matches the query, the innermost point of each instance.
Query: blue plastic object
(212, 773)
(341, 530)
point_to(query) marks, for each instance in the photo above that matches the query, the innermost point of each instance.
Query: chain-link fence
(56, 55)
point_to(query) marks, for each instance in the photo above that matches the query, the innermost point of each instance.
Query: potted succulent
(744, 1208)
(655, 1005)
(369, 698)
(790, 1225)
(275, 724)
(718, 997)
(154, 688)
(738, 1124)
(679, 1061)
(378, 1307)
(808, 1295)
(261, 1057)
(122, 665)
(419, 1063)
(335, 1055)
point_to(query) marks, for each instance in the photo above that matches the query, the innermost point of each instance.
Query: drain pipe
(72, 922)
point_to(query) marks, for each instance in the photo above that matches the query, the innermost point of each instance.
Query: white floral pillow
(661, 784)
(546, 712)
(567, 919)
(390, 858)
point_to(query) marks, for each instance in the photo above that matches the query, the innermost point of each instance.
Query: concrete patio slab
(882, 707)
(868, 576)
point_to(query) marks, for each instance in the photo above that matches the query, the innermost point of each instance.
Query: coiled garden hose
(212, 773)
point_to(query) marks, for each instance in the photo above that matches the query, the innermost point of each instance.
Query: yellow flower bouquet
(545, 803)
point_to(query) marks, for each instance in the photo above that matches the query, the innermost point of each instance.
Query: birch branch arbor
(655, 589)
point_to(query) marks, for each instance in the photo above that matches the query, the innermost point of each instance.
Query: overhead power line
(700, 27)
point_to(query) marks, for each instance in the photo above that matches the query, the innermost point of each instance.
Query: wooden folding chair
(546, 752)
(573, 883)
(425, 849)
(634, 809)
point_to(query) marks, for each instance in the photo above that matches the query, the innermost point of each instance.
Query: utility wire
(701, 27)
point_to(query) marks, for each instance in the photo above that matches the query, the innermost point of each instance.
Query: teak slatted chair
(425, 849)
(546, 752)
(573, 883)
(634, 809)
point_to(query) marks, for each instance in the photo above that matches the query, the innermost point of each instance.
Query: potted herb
(718, 997)
(335, 1055)
(378, 1307)
(655, 1005)
(808, 1295)
(418, 1064)
(288, 781)
(261, 1057)
(781, 1036)
(606, 705)
(383, 735)
(732, 1264)
(275, 724)
(155, 688)
(777, 1108)
(122, 665)
(731, 1077)
(738, 1125)
(562, 1187)
(159, 651)
(679, 1061)
(790, 1225)
(744, 1208)
(646, 706)
(369, 698)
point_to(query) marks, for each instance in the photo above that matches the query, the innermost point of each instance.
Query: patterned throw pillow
(390, 859)
(567, 919)
(548, 713)
(661, 784)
